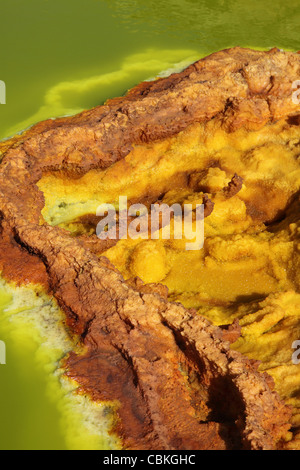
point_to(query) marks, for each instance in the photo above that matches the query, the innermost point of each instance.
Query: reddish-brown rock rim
(178, 383)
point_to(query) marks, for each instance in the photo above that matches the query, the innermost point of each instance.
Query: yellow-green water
(40, 408)
(61, 56)
(23, 384)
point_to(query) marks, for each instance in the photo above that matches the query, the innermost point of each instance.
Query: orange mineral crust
(173, 376)
(18, 264)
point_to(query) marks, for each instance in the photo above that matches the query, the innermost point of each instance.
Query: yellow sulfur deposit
(249, 265)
